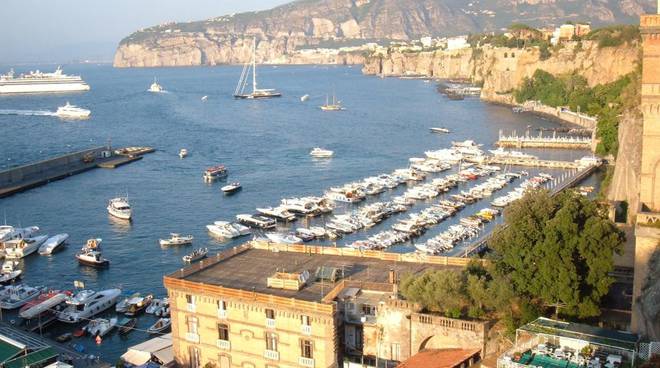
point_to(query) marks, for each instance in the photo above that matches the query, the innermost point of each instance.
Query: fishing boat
(16, 296)
(9, 272)
(334, 106)
(439, 130)
(126, 325)
(321, 153)
(85, 304)
(239, 92)
(196, 255)
(155, 87)
(137, 305)
(231, 188)
(120, 208)
(53, 244)
(162, 325)
(183, 153)
(215, 172)
(90, 254)
(43, 303)
(19, 248)
(100, 326)
(176, 239)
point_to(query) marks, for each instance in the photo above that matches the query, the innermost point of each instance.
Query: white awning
(136, 357)
(141, 353)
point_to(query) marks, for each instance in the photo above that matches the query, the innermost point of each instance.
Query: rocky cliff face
(339, 22)
(503, 69)
(625, 181)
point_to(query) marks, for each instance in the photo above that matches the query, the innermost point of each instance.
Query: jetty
(533, 162)
(32, 175)
(481, 244)
(541, 141)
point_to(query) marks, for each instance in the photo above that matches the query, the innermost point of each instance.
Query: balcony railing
(270, 323)
(223, 344)
(306, 329)
(192, 337)
(306, 362)
(271, 355)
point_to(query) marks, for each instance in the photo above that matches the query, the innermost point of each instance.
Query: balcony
(270, 323)
(192, 337)
(306, 362)
(271, 355)
(191, 307)
(223, 344)
(306, 330)
(222, 313)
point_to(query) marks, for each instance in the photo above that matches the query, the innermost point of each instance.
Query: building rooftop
(594, 335)
(248, 268)
(439, 358)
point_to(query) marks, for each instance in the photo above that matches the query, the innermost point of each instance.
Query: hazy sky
(46, 31)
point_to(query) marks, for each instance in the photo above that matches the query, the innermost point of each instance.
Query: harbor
(28, 176)
(541, 141)
(168, 193)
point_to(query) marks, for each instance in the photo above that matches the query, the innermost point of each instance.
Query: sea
(265, 145)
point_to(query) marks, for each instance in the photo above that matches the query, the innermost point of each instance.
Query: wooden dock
(540, 141)
(28, 176)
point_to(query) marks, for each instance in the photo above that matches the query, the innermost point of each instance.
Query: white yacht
(16, 296)
(242, 230)
(39, 82)
(301, 206)
(155, 87)
(320, 152)
(240, 93)
(176, 239)
(501, 152)
(278, 213)
(44, 303)
(52, 244)
(256, 221)
(120, 208)
(100, 326)
(223, 229)
(69, 111)
(86, 304)
(8, 232)
(283, 238)
(19, 248)
(9, 272)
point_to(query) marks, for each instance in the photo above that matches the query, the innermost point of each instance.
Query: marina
(541, 141)
(169, 195)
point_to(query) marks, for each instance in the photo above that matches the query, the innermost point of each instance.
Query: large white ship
(39, 82)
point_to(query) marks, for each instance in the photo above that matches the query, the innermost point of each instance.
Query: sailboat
(334, 106)
(239, 92)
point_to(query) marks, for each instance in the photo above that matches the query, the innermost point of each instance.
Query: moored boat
(256, 221)
(120, 208)
(43, 303)
(231, 188)
(138, 305)
(162, 325)
(16, 296)
(53, 244)
(176, 239)
(86, 304)
(19, 248)
(196, 255)
(100, 326)
(90, 254)
(215, 172)
(9, 272)
(126, 325)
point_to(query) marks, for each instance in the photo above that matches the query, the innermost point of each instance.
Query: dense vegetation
(604, 101)
(553, 254)
(615, 36)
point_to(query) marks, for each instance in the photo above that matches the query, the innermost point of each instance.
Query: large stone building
(265, 305)
(647, 231)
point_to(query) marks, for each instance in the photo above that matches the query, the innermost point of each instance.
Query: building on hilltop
(264, 304)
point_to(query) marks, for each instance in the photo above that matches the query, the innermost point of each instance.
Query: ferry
(120, 208)
(39, 82)
(86, 304)
(215, 172)
(69, 111)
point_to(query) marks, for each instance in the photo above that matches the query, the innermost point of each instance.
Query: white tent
(159, 347)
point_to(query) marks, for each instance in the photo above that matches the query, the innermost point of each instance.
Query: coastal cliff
(500, 70)
(333, 24)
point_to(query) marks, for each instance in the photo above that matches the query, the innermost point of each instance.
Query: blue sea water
(265, 144)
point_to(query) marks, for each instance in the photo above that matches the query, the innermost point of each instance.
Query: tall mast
(254, 65)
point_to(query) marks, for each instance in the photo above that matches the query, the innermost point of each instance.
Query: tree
(558, 249)
(439, 290)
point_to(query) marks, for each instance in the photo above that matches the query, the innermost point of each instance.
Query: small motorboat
(196, 255)
(90, 254)
(162, 325)
(439, 130)
(183, 153)
(176, 239)
(155, 87)
(43, 304)
(9, 272)
(305, 234)
(138, 305)
(120, 208)
(304, 98)
(126, 325)
(100, 326)
(322, 153)
(231, 188)
(122, 305)
(53, 244)
(17, 296)
(156, 305)
(79, 332)
(64, 337)
(204, 98)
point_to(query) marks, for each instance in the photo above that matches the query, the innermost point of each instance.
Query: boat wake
(27, 112)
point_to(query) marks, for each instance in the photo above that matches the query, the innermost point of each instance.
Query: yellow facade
(197, 338)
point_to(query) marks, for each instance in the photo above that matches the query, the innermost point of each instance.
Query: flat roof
(579, 331)
(249, 269)
(439, 358)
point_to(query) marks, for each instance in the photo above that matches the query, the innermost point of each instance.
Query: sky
(60, 31)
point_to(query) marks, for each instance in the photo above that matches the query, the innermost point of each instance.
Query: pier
(28, 176)
(482, 243)
(533, 162)
(540, 141)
